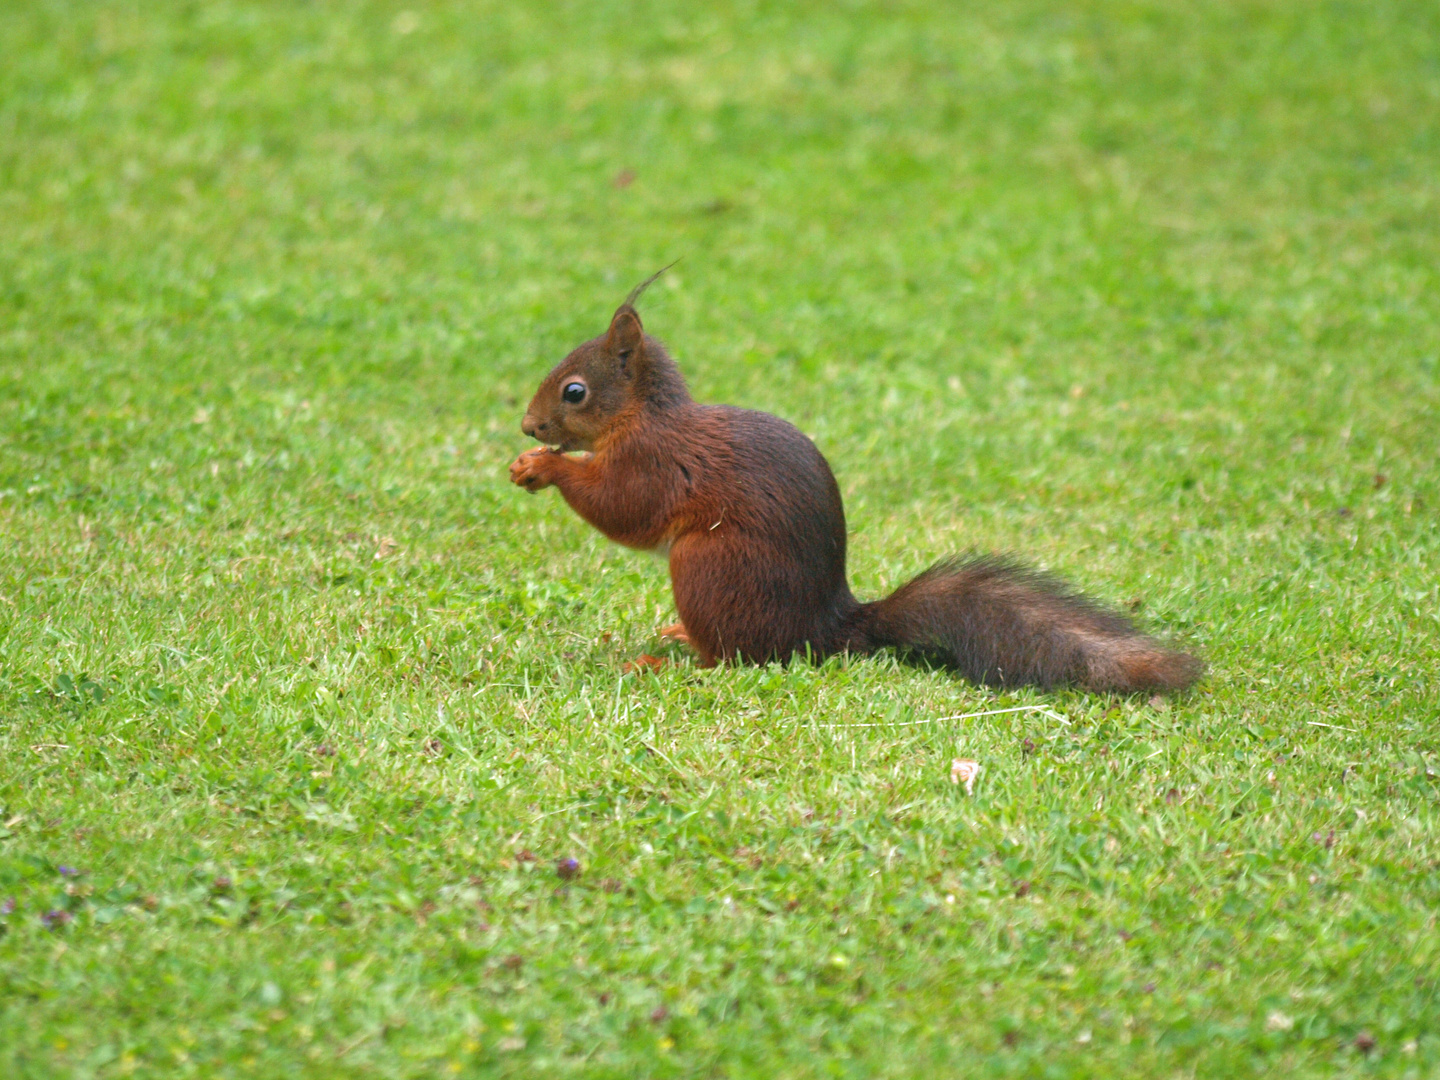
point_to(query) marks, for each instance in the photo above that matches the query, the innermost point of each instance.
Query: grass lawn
(301, 701)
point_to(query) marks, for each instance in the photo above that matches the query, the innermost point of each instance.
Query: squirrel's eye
(574, 392)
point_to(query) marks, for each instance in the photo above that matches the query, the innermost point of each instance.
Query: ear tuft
(626, 339)
(638, 289)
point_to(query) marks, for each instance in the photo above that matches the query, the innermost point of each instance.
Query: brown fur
(753, 522)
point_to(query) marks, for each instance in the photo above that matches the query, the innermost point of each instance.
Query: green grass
(292, 677)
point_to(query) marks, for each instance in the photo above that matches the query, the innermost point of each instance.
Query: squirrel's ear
(626, 339)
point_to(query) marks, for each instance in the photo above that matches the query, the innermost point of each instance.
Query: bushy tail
(1001, 624)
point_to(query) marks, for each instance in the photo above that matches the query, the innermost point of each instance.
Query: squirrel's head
(613, 375)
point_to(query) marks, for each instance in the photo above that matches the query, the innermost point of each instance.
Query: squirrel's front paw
(531, 470)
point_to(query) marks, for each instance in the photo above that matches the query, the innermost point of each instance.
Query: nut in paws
(531, 469)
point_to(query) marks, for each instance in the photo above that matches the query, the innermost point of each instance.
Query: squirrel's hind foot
(643, 663)
(675, 632)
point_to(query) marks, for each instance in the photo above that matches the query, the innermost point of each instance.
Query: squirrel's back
(780, 481)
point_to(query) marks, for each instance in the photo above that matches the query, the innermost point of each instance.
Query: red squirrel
(752, 520)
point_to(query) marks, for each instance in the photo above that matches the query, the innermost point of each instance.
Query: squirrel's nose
(530, 427)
